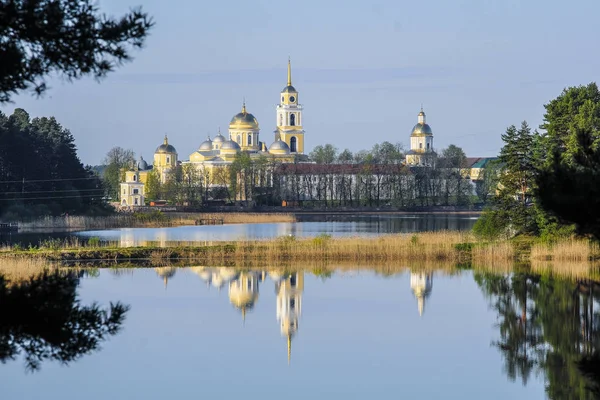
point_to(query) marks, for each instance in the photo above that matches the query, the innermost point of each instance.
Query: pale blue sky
(362, 68)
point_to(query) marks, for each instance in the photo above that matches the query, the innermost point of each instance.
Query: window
(293, 144)
(427, 146)
(134, 178)
(136, 201)
(239, 139)
(168, 159)
(250, 140)
(292, 119)
(124, 191)
(280, 119)
(136, 191)
(420, 145)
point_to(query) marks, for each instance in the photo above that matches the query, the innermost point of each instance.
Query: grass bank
(428, 247)
(146, 220)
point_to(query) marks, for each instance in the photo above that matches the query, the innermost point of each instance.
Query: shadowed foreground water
(269, 333)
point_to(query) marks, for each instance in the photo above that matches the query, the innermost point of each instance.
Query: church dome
(207, 145)
(219, 138)
(166, 147)
(230, 147)
(422, 129)
(243, 120)
(279, 147)
(142, 164)
(289, 89)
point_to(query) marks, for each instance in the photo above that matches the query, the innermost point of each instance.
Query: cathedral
(287, 147)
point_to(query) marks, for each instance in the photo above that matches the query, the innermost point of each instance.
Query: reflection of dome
(166, 272)
(166, 147)
(230, 147)
(227, 273)
(206, 145)
(422, 129)
(279, 147)
(242, 299)
(276, 275)
(243, 120)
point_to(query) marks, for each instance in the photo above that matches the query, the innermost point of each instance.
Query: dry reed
(578, 250)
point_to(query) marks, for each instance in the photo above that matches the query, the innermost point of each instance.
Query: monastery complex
(286, 148)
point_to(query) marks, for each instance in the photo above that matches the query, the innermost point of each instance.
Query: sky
(362, 70)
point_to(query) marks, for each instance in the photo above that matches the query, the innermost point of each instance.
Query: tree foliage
(42, 319)
(69, 38)
(569, 182)
(40, 172)
(116, 162)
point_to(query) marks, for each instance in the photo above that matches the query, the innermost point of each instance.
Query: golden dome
(166, 147)
(243, 120)
(422, 130)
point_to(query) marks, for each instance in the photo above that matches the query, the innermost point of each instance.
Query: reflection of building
(289, 290)
(166, 273)
(215, 276)
(243, 291)
(421, 284)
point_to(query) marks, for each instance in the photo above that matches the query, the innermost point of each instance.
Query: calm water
(307, 226)
(310, 226)
(219, 333)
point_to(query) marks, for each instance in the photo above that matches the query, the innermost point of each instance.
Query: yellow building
(289, 117)
(220, 152)
(132, 190)
(421, 144)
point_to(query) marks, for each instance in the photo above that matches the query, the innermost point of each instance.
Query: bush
(321, 240)
(94, 241)
(490, 226)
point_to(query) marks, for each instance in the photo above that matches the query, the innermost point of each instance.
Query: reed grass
(141, 220)
(572, 249)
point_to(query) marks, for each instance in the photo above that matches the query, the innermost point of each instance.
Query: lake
(308, 225)
(267, 333)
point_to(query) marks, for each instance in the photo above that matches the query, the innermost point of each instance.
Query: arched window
(427, 146)
(250, 139)
(134, 178)
(280, 119)
(420, 145)
(292, 119)
(239, 140)
(168, 159)
(293, 144)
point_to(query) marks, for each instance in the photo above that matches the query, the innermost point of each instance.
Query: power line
(54, 191)
(50, 180)
(52, 197)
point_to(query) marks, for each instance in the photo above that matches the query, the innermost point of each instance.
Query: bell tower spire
(289, 116)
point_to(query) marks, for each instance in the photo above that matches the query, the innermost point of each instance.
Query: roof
(479, 162)
(349, 169)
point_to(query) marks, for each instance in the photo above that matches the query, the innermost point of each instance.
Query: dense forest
(549, 183)
(40, 172)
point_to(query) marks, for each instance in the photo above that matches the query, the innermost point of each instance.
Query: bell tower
(289, 117)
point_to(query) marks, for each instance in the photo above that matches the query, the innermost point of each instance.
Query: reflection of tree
(42, 319)
(546, 325)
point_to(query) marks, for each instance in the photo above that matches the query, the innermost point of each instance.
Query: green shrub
(321, 240)
(414, 240)
(94, 241)
(490, 226)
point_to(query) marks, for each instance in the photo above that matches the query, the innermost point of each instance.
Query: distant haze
(362, 69)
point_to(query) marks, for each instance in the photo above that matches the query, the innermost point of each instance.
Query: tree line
(40, 172)
(549, 183)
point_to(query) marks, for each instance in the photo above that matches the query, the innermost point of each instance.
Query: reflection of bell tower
(243, 291)
(421, 284)
(289, 305)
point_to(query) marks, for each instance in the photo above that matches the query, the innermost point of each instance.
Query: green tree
(345, 157)
(324, 154)
(569, 183)
(117, 161)
(153, 187)
(514, 205)
(69, 38)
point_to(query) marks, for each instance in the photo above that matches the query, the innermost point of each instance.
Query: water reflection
(421, 284)
(41, 319)
(547, 326)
